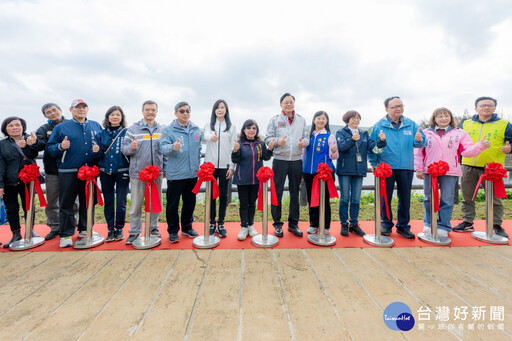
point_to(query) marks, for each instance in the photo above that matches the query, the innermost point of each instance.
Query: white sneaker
(426, 230)
(326, 231)
(244, 231)
(442, 233)
(252, 231)
(66, 242)
(312, 229)
(82, 234)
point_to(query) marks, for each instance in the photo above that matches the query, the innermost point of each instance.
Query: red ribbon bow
(382, 172)
(148, 175)
(31, 173)
(437, 169)
(88, 174)
(264, 174)
(494, 172)
(205, 173)
(324, 174)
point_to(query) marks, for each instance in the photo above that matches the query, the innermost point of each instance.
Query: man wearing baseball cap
(72, 143)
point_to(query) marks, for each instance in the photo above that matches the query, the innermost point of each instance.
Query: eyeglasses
(486, 105)
(182, 111)
(401, 106)
(287, 103)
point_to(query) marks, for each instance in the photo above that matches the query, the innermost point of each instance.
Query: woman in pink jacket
(446, 143)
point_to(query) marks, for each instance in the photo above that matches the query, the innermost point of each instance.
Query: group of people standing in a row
(122, 152)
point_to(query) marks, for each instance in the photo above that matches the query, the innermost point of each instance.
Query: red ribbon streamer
(324, 174)
(494, 172)
(88, 174)
(204, 174)
(382, 172)
(31, 173)
(264, 174)
(437, 169)
(148, 175)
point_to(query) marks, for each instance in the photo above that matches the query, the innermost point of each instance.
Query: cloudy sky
(332, 55)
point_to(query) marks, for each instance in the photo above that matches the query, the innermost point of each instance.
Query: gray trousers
(468, 181)
(137, 188)
(52, 202)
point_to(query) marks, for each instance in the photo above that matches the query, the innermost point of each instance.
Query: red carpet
(289, 241)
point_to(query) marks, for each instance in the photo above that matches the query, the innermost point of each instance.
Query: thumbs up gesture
(32, 139)
(215, 138)
(334, 148)
(356, 136)
(22, 143)
(506, 148)
(302, 144)
(418, 137)
(485, 142)
(236, 146)
(382, 136)
(271, 145)
(65, 143)
(95, 147)
(177, 145)
(282, 141)
(134, 143)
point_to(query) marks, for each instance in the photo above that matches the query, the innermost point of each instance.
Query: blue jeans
(115, 197)
(447, 186)
(350, 191)
(403, 180)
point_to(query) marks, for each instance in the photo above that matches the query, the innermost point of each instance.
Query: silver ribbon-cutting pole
(378, 239)
(92, 239)
(206, 241)
(433, 237)
(264, 239)
(322, 239)
(147, 241)
(29, 242)
(489, 236)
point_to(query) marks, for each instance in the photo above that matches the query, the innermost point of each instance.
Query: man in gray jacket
(142, 145)
(288, 130)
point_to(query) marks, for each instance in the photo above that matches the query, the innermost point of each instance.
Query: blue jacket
(317, 152)
(182, 164)
(249, 159)
(113, 161)
(400, 143)
(347, 163)
(81, 137)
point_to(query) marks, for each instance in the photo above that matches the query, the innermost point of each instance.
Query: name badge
(281, 125)
(359, 158)
(407, 132)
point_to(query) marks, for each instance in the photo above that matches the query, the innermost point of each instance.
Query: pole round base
(264, 241)
(87, 243)
(25, 244)
(142, 243)
(321, 240)
(434, 239)
(494, 238)
(200, 242)
(381, 241)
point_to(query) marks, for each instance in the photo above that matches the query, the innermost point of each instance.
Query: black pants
(220, 174)
(177, 189)
(247, 194)
(314, 212)
(12, 206)
(115, 189)
(282, 169)
(70, 186)
(403, 180)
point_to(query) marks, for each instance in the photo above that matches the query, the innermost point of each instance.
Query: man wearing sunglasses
(181, 143)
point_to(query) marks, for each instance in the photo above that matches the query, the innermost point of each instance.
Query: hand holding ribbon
(151, 202)
(494, 172)
(382, 172)
(205, 174)
(31, 173)
(324, 174)
(264, 174)
(88, 174)
(437, 169)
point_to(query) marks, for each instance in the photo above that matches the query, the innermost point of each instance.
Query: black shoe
(131, 238)
(278, 231)
(295, 230)
(51, 235)
(464, 227)
(222, 231)
(16, 235)
(500, 231)
(385, 232)
(111, 236)
(344, 230)
(212, 229)
(118, 235)
(155, 232)
(174, 238)
(357, 230)
(406, 233)
(190, 233)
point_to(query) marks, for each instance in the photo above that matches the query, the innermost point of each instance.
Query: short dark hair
(483, 98)
(49, 105)
(149, 102)
(246, 124)
(181, 104)
(386, 101)
(349, 114)
(286, 94)
(213, 118)
(9, 120)
(106, 121)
